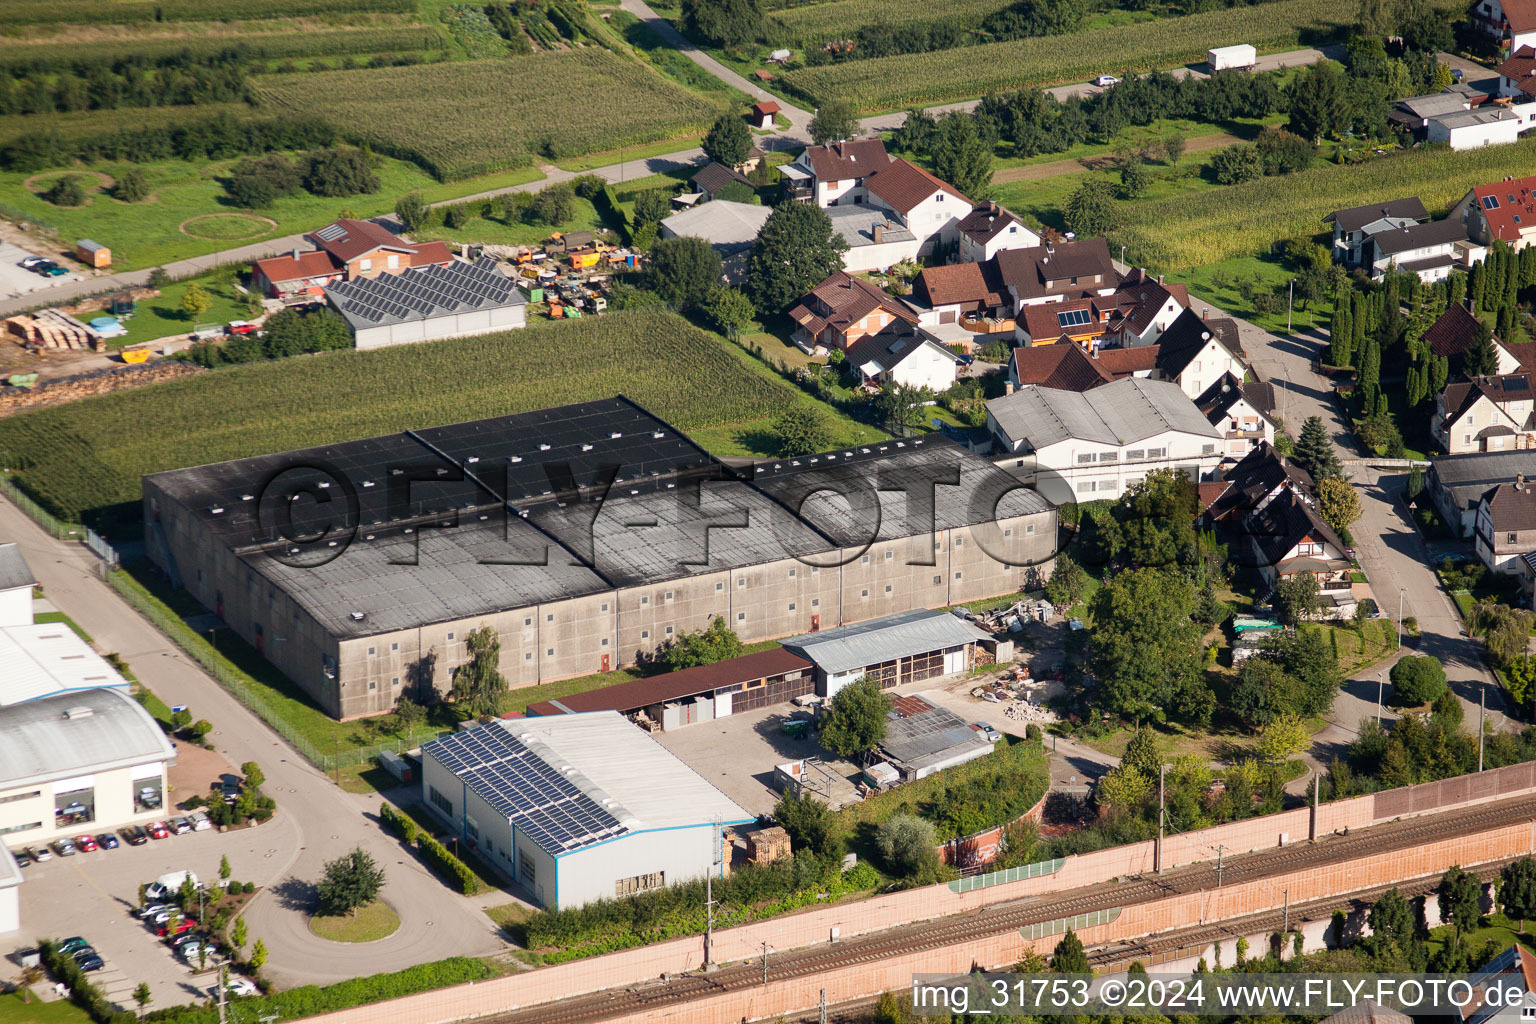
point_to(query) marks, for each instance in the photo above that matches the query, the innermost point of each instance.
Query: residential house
(989, 229)
(843, 310)
(1512, 22)
(1428, 250)
(834, 174)
(1485, 414)
(730, 228)
(754, 159)
(1082, 446)
(761, 117)
(1456, 483)
(1504, 534)
(1414, 113)
(1068, 367)
(1517, 75)
(1453, 335)
(1195, 353)
(1353, 228)
(346, 250)
(1512, 974)
(1243, 412)
(1057, 271)
(1474, 129)
(931, 209)
(1286, 538)
(1259, 477)
(713, 177)
(905, 354)
(970, 291)
(876, 239)
(1080, 321)
(1504, 211)
(1143, 309)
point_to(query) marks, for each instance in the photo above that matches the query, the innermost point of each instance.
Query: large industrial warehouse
(399, 546)
(577, 807)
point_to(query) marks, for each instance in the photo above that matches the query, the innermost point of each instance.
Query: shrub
(131, 186)
(393, 819)
(455, 870)
(906, 843)
(1417, 680)
(338, 172)
(66, 191)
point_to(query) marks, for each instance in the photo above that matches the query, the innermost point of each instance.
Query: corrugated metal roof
(688, 682)
(47, 658)
(104, 729)
(893, 636)
(14, 571)
(1119, 413)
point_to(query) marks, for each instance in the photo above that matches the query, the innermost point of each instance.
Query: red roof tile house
(1505, 532)
(843, 310)
(1511, 21)
(834, 174)
(347, 250)
(989, 229)
(1486, 414)
(1453, 336)
(1067, 367)
(1143, 309)
(1504, 210)
(926, 206)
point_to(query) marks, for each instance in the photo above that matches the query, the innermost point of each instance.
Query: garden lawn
(1357, 651)
(163, 317)
(1221, 285)
(1495, 926)
(86, 457)
(14, 1010)
(375, 921)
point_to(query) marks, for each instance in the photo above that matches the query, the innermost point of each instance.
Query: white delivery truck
(1232, 58)
(168, 884)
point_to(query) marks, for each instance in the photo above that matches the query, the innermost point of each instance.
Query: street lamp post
(1400, 592)
(1290, 294)
(1381, 681)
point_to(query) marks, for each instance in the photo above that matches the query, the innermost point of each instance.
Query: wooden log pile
(97, 382)
(53, 328)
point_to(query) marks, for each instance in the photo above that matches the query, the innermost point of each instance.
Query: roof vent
(79, 711)
(247, 497)
(216, 510)
(657, 434)
(516, 458)
(358, 616)
(543, 447)
(615, 435)
(473, 458)
(586, 447)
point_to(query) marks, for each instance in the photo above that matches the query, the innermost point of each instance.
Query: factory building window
(549, 652)
(20, 828)
(528, 656)
(525, 868)
(938, 580)
(719, 587)
(645, 634)
(815, 602)
(669, 595)
(373, 684)
(394, 647)
(863, 559)
(528, 621)
(605, 642)
(395, 681)
(639, 883)
(549, 617)
(863, 593)
(669, 631)
(443, 803)
(645, 600)
(890, 555)
(469, 827)
(605, 606)
(792, 574)
(12, 798)
(959, 575)
(887, 588)
(741, 583)
(741, 616)
(1029, 527)
(372, 651)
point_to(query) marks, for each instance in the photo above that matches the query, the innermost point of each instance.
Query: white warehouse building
(577, 807)
(442, 301)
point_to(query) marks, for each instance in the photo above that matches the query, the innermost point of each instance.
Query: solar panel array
(541, 802)
(416, 294)
(331, 232)
(1072, 318)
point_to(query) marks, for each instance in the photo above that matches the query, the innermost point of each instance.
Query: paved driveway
(16, 280)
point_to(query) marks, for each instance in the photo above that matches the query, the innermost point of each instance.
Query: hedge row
(398, 822)
(447, 864)
(84, 994)
(310, 1000)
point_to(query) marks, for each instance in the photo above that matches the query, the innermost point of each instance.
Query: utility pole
(709, 919)
(823, 1006)
(1400, 617)
(1381, 681)
(1219, 851)
(1481, 711)
(765, 963)
(223, 986)
(1291, 294)
(1162, 777)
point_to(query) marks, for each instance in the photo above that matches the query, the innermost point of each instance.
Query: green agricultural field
(473, 117)
(84, 458)
(1240, 220)
(324, 42)
(886, 83)
(187, 214)
(129, 12)
(813, 24)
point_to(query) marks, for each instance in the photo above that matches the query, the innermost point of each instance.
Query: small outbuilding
(763, 113)
(93, 254)
(894, 649)
(923, 739)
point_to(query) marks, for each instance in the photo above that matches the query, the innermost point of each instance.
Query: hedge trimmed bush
(310, 1000)
(397, 822)
(84, 994)
(447, 864)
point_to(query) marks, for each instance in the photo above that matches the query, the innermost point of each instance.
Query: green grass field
(493, 231)
(86, 457)
(157, 231)
(16, 1010)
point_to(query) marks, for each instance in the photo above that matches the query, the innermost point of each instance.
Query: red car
(241, 327)
(186, 924)
(157, 830)
(86, 844)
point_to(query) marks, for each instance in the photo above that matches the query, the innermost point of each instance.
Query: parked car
(39, 854)
(23, 859)
(181, 826)
(91, 963)
(65, 847)
(135, 835)
(161, 916)
(200, 822)
(41, 265)
(32, 261)
(241, 327)
(73, 943)
(229, 788)
(153, 909)
(157, 830)
(185, 937)
(87, 843)
(164, 928)
(83, 953)
(107, 841)
(236, 987)
(986, 730)
(1105, 81)
(192, 950)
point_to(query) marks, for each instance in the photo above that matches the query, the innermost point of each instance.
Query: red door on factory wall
(605, 663)
(815, 623)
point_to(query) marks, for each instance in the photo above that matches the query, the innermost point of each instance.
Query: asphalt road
(319, 821)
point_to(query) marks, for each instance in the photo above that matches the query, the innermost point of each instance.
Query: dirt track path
(1056, 168)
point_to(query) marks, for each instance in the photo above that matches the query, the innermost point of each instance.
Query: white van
(169, 884)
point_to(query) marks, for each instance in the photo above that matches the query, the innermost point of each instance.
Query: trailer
(1232, 58)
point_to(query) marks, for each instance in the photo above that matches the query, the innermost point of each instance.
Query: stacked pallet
(96, 382)
(53, 328)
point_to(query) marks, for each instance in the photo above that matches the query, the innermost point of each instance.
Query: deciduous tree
(1090, 209)
(802, 430)
(796, 250)
(1337, 502)
(835, 120)
(684, 271)
(724, 22)
(1461, 899)
(350, 881)
(195, 301)
(907, 843)
(1146, 646)
(703, 646)
(855, 719)
(1417, 680)
(412, 211)
(728, 140)
(478, 683)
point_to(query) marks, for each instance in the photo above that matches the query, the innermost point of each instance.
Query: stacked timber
(53, 328)
(97, 382)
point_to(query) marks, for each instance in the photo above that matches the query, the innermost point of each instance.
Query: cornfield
(1208, 227)
(813, 24)
(87, 123)
(406, 39)
(884, 83)
(127, 12)
(469, 118)
(87, 456)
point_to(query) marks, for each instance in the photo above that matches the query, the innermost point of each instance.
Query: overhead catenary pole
(1381, 681)
(1162, 778)
(1481, 712)
(765, 962)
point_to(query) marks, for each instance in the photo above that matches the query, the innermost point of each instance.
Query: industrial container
(1229, 58)
(93, 254)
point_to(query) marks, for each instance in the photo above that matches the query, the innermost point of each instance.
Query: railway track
(992, 920)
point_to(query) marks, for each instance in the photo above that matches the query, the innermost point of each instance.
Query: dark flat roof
(642, 693)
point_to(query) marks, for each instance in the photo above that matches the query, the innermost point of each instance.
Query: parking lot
(93, 895)
(17, 280)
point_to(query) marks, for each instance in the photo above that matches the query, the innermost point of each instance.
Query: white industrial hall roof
(46, 658)
(76, 733)
(884, 639)
(570, 782)
(14, 571)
